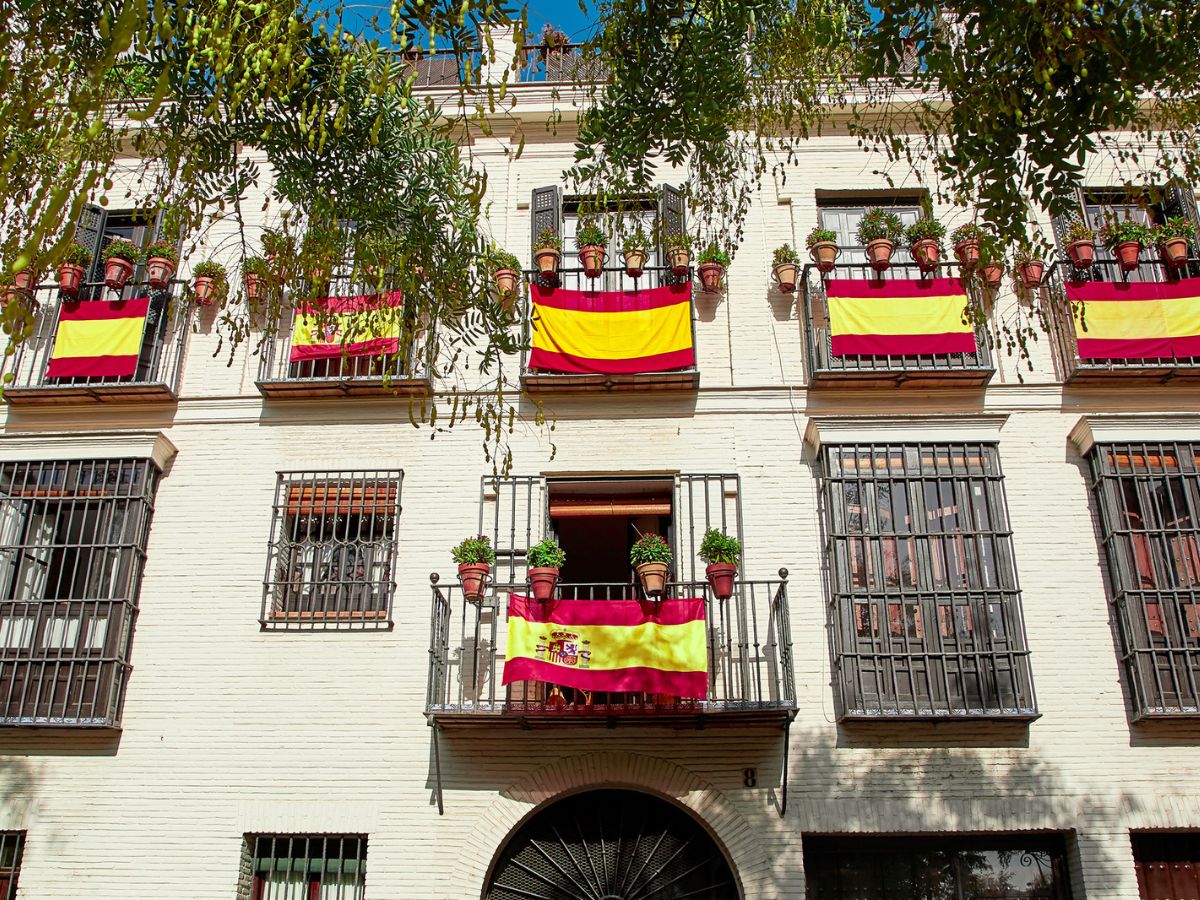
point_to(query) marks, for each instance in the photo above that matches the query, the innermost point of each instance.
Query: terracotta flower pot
(967, 254)
(253, 285)
(159, 270)
(202, 287)
(653, 576)
(1031, 273)
(710, 276)
(926, 254)
(592, 259)
(20, 299)
(825, 255)
(473, 577)
(547, 260)
(506, 285)
(1175, 252)
(635, 262)
(1082, 253)
(27, 279)
(720, 578)
(879, 253)
(680, 259)
(1127, 255)
(785, 276)
(70, 279)
(117, 272)
(992, 274)
(543, 580)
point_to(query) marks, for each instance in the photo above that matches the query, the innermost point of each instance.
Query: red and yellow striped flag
(609, 645)
(1136, 320)
(98, 338)
(904, 317)
(367, 325)
(612, 332)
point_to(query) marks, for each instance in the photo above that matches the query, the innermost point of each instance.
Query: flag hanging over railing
(98, 338)
(901, 317)
(1137, 320)
(658, 647)
(366, 325)
(612, 332)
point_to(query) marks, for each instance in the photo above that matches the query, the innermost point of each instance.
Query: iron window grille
(304, 867)
(12, 847)
(72, 547)
(332, 553)
(1148, 496)
(925, 611)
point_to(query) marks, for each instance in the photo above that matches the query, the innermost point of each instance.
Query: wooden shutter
(89, 231)
(671, 215)
(545, 211)
(1062, 223)
(1179, 200)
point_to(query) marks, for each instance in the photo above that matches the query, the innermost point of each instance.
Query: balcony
(1066, 332)
(937, 370)
(537, 65)
(750, 676)
(657, 374)
(159, 361)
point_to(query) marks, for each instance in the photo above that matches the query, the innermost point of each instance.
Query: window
(1149, 500)
(1168, 864)
(12, 846)
(926, 609)
(995, 867)
(843, 217)
(333, 550)
(306, 867)
(1100, 208)
(72, 544)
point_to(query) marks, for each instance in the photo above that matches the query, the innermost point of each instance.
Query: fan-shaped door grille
(612, 845)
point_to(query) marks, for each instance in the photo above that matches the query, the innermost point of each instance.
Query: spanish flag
(658, 647)
(904, 317)
(1136, 320)
(367, 325)
(612, 332)
(98, 338)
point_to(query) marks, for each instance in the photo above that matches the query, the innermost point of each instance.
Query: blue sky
(564, 14)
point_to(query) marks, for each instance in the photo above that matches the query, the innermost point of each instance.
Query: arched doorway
(611, 845)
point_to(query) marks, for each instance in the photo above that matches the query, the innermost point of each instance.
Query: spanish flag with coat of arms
(367, 325)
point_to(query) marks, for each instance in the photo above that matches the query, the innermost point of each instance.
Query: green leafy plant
(714, 254)
(77, 254)
(126, 250)
(590, 234)
(547, 555)
(820, 236)
(1115, 233)
(547, 240)
(162, 250)
(278, 244)
(1078, 231)
(553, 37)
(499, 258)
(209, 269)
(255, 265)
(650, 548)
(968, 232)
(991, 251)
(717, 547)
(879, 225)
(476, 549)
(925, 229)
(637, 240)
(785, 255)
(679, 242)
(1176, 227)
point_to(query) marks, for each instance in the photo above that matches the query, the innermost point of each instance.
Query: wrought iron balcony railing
(612, 278)
(1065, 332)
(879, 371)
(536, 65)
(567, 63)
(750, 674)
(159, 362)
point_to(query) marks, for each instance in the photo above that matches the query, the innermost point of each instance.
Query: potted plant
(823, 248)
(713, 263)
(784, 263)
(679, 254)
(991, 261)
(591, 241)
(545, 561)
(506, 274)
(474, 557)
(120, 257)
(208, 279)
(966, 245)
(28, 278)
(878, 231)
(1081, 244)
(722, 553)
(161, 259)
(554, 40)
(1174, 241)
(925, 241)
(1028, 267)
(651, 559)
(1125, 240)
(18, 297)
(72, 269)
(278, 249)
(547, 252)
(254, 276)
(636, 248)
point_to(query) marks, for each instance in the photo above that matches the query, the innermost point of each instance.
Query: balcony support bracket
(787, 747)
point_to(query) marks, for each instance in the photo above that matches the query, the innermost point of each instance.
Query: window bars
(332, 551)
(12, 847)
(305, 867)
(925, 608)
(1148, 496)
(72, 546)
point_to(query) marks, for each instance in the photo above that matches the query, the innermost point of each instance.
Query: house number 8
(750, 777)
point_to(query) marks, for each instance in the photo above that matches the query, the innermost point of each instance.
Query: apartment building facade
(961, 659)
